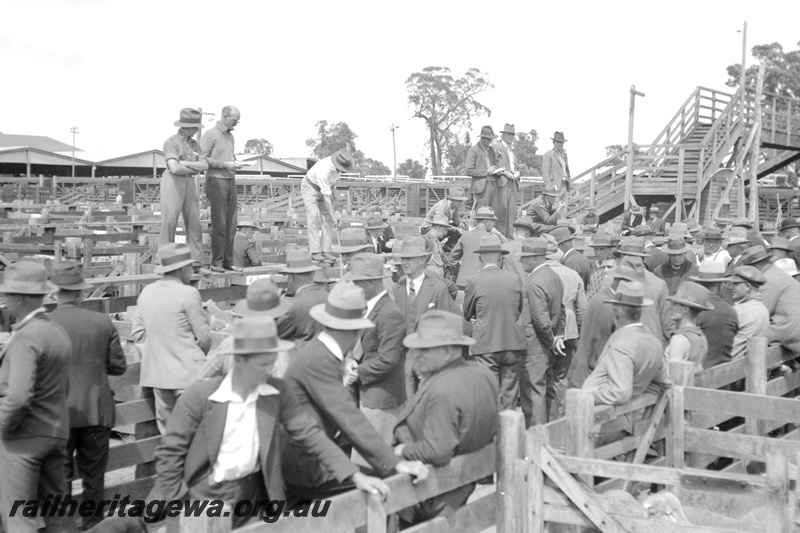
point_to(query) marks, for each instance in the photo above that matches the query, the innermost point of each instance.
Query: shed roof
(35, 141)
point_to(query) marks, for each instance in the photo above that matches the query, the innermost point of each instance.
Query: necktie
(412, 293)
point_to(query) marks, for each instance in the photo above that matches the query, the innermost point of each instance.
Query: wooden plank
(780, 501)
(742, 404)
(511, 443)
(135, 412)
(137, 489)
(579, 493)
(477, 516)
(580, 424)
(647, 438)
(132, 453)
(727, 444)
(120, 304)
(533, 507)
(756, 380)
(675, 445)
(721, 375)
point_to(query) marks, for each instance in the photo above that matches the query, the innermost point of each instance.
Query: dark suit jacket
(544, 314)
(244, 252)
(655, 257)
(297, 324)
(544, 217)
(464, 251)
(34, 380)
(432, 294)
(193, 437)
(96, 354)
(318, 408)
(476, 166)
(381, 372)
(494, 299)
(379, 247)
(579, 263)
(454, 412)
(628, 224)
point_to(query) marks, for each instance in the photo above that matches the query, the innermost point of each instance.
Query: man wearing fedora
(175, 329)
(602, 250)
(379, 372)
(631, 362)
(655, 221)
(719, 324)
(523, 229)
(781, 293)
(453, 413)
(543, 318)
(317, 190)
(376, 227)
(507, 181)
(555, 166)
(350, 242)
(779, 248)
(712, 247)
(223, 441)
(736, 242)
(575, 304)
(34, 414)
(451, 207)
(481, 166)
(96, 354)
(688, 342)
(493, 299)
(632, 217)
(218, 147)
(677, 269)
(418, 291)
(297, 325)
(655, 255)
(263, 299)
(439, 262)
(752, 315)
(572, 258)
(789, 228)
(545, 210)
(320, 412)
(245, 253)
(470, 241)
(184, 159)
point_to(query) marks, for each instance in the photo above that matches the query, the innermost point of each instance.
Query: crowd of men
(402, 364)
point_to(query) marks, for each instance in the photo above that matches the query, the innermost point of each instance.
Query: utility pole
(74, 131)
(742, 77)
(394, 153)
(629, 169)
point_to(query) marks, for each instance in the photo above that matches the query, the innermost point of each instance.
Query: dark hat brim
(160, 269)
(708, 280)
(300, 270)
(634, 254)
(242, 308)
(784, 248)
(82, 286)
(491, 251)
(247, 225)
(348, 249)
(361, 277)
(645, 303)
(686, 248)
(534, 254)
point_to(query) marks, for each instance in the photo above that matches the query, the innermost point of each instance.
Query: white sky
(121, 70)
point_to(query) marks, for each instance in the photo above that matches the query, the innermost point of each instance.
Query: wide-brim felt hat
(562, 234)
(352, 240)
(441, 220)
(509, 128)
(344, 309)
(525, 222)
(246, 223)
(412, 246)
(457, 193)
(630, 293)
(637, 210)
(26, 277)
(710, 272)
(736, 236)
(787, 265)
(534, 247)
(189, 118)
(343, 161)
(68, 275)
(438, 328)
(365, 267)
(693, 296)
(559, 137)
(173, 256)
(490, 244)
(485, 213)
(755, 254)
(779, 243)
(321, 276)
(298, 261)
(487, 133)
(675, 245)
(256, 335)
(263, 299)
(375, 222)
(632, 246)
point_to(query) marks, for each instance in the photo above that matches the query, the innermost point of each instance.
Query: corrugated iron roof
(35, 141)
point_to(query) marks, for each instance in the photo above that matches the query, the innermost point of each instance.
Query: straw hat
(364, 267)
(710, 272)
(438, 328)
(68, 275)
(256, 335)
(25, 277)
(693, 296)
(298, 261)
(172, 256)
(630, 293)
(352, 240)
(344, 309)
(263, 299)
(490, 244)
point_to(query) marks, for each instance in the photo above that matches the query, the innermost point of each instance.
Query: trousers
(533, 382)
(506, 366)
(179, 197)
(221, 193)
(320, 222)
(89, 446)
(164, 403)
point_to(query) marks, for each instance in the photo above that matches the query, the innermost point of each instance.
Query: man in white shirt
(222, 441)
(317, 189)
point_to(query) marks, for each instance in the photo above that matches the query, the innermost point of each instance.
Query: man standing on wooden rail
(453, 413)
(317, 191)
(178, 190)
(555, 167)
(96, 354)
(631, 362)
(222, 442)
(174, 328)
(507, 181)
(320, 412)
(218, 149)
(245, 253)
(34, 418)
(481, 166)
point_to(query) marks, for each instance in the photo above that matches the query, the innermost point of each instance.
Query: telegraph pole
(394, 153)
(742, 77)
(74, 131)
(629, 169)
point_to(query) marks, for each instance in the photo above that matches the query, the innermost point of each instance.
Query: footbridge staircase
(701, 163)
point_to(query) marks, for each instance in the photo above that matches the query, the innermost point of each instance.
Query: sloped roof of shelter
(40, 142)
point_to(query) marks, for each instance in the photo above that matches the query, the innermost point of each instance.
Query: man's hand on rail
(370, 485)
(416, 469)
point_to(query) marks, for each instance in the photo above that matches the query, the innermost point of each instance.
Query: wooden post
(580, 425)
(780, 501)
(593, 186)
(376, 514)
(679, 194)
(682, 375)
(87, 253)
(510, 448)
(533, 508)
(133, 267)
(756, 378)
(755, 149)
